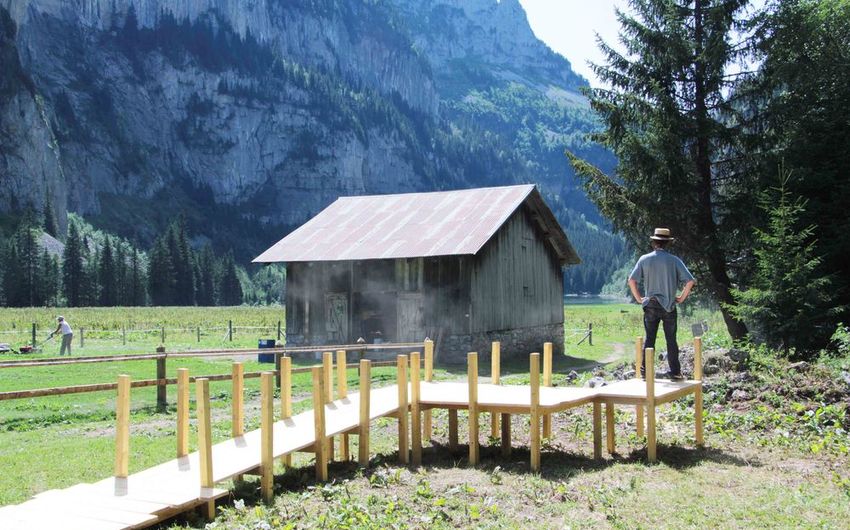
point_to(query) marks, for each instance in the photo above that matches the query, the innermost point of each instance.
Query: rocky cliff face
(250, 116)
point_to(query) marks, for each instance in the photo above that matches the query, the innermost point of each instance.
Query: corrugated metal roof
(442, 223)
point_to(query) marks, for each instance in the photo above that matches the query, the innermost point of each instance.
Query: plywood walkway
(158, 493)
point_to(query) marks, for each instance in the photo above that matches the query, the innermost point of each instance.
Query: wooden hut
(462, 267)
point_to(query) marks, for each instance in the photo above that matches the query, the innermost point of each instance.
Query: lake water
(578, 299)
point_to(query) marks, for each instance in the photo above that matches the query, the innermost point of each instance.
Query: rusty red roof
(408, 225)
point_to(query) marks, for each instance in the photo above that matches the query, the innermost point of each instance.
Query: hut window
(409, 274)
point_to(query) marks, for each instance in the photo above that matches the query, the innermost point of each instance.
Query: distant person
(662, 274)
(67, 335)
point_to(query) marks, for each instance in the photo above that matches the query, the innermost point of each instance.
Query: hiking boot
(674, 377)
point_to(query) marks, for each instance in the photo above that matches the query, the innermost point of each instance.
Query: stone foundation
(516, 343)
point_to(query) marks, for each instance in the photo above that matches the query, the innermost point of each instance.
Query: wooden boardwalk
(161, 492)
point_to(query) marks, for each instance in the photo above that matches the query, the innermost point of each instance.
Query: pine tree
(51, 225)
(72, 267)
(789, 302)
(161, 278)
(106, 276)
(121, 275)
(49, 284)
(137, 280)
(230, 290)
(669, 118)
(30, 257)
(206, 277)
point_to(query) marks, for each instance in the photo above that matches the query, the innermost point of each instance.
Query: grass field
(59, 441)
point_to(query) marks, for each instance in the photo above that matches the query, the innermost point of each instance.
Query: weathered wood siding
(447, 300)
(516, 280)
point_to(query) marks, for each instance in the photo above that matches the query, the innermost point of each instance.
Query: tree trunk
(702, 161)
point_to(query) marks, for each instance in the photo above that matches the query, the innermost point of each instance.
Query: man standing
(67, 335)
(662, 274)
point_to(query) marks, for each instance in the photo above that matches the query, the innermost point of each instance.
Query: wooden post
(33, 335)
(162, 334)
(427, 425)
(230, 330)
(199, 333)
(534, 372)
(319, 421)
(597, 430)
(277, 377)
(279, 335)
(472, 379)
(650, 404)
(202, 389)
(547, 381)
(452, 430)
(609, 427)
(122, 427)
(403, 449)
(698, 434)
(123, 335)
(327, 376)
(415, 417)
(182, 412)
(495, 375)
(161, 387)
(590, 333)
(342, 392)
(286, 396)
(266, 435)
(82, 337)
(365, 390)
(238, 400)
(638, 363)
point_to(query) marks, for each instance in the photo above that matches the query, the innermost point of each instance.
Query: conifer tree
(49, 283)
(51, 225)
(161, 276)
(230, 290)
(106, 275)
(206, 277)
(789, 303)
(669, 118)
(30, 258)
(72, 267)
(137, 280)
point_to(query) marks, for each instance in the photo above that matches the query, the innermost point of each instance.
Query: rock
(572, 376)
(801, 366)
(846, 377)
(629, 375)
(738, 355)
(711, 369)
(595, 382)
(742, 377)
(740, 395)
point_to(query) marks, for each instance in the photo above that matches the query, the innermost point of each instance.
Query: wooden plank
(698, 429)
(319, 396)
(237, 400)
(267, 436)
(506, 435)
(534, 426)
(122, 427)
(453, 441)
(286, 397)
(597, 430)
(609, 428)
(365, 391)
(90, 509)
(638, 363)
(182, 412)
(472, 381)
(415, 418)
(341, 392)
(650, 405)
(327, 376)
(427, 421)
(403, 449)
(202, 389)
(547, 382)
(495, 377)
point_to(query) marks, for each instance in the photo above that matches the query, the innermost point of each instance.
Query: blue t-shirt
(662, 274)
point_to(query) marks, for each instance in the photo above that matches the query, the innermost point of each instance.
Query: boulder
(595, 382)
(738, 355)
(801, 366)
(740, 395)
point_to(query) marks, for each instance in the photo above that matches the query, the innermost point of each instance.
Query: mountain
(248, 117)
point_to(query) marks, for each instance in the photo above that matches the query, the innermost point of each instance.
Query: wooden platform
(163, 491)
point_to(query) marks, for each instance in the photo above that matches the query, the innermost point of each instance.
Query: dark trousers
(653, 314)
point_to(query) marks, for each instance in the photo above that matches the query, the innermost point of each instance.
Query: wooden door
(336, 317)
(411, 321)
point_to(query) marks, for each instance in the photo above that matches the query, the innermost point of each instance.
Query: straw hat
(662, 234)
